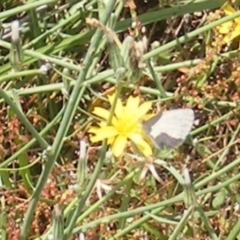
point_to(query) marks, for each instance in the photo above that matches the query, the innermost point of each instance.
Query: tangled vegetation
(79, 79)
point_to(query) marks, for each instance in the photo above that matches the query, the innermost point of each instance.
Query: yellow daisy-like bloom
(230, 29)
(126, 125)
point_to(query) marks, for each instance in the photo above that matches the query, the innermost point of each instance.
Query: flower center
(127, 124)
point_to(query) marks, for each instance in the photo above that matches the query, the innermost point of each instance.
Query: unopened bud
(15, 31)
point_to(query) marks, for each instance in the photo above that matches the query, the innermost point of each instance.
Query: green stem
(71, 107)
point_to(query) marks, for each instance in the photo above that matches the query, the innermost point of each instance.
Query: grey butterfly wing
(169, 128)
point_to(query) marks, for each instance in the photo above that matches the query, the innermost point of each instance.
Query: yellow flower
(230, 29)
(126, 124)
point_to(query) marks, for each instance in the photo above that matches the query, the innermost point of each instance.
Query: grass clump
(78, 80)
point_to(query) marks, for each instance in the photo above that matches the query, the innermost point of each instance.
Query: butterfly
(169, 128)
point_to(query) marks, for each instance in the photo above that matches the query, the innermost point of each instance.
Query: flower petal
(136, 138)
(144, 108)
(118, 111)
(224, 28)
(111, 98)
(101, 112)
(148, 116)
(228, 9)
(132, 103)
(237, 29)
(103, 133)
(93, 129)
(119, 145)
(232, 35)
(143, 145)
(145, 149)
(111, 140)
(237, 21)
